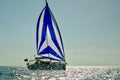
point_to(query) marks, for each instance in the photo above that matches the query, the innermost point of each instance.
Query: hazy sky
(90, 30)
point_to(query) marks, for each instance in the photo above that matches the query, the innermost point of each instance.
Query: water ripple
(72, 73)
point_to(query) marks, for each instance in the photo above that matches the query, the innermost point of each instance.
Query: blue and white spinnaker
(48, 38)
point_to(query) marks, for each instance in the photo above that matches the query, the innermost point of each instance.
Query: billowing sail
(48, 39)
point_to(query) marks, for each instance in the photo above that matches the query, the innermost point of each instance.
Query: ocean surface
(71, 73)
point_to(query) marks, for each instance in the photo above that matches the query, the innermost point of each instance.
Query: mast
(46, 2)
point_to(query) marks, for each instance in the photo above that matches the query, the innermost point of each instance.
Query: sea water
(71, 73)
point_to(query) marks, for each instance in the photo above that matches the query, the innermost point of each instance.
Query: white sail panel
(40, 28)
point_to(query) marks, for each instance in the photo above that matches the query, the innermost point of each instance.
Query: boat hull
(47, 66)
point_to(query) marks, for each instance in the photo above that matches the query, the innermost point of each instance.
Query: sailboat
(49, 44)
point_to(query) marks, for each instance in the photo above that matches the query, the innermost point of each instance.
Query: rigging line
(46, 2)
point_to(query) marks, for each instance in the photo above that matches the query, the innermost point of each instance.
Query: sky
(90, 30)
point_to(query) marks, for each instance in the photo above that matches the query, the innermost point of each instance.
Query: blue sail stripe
(58, 32)
(50, 51)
